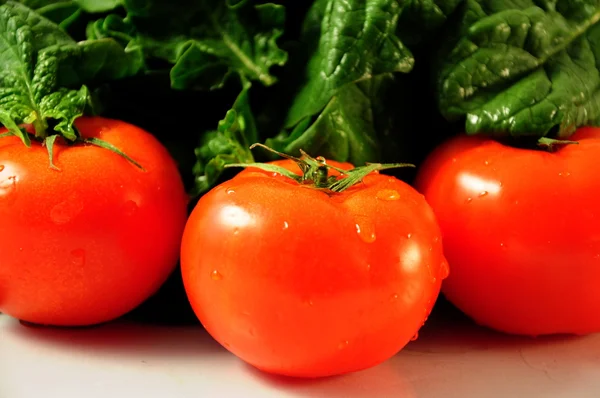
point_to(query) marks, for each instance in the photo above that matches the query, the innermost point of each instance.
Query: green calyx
(315, 171)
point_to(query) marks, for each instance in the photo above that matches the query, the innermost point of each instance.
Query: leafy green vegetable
(212, 41)
(39, 62)
(228, 144)
(357, 41)
(344, 130)
(522, 67)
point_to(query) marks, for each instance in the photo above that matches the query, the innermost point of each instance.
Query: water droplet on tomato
(409, 236)
(394, 297)
(130, 208)
(216, 275)
(20, 249)
(444, 269)
(343, 344)
(285, 225)
(468, 200)
(433, 280)
(236, 231)
(487, 163)
(66, 210)
(1, 167)
(387, 194)
(230, 191)
(366, 231)
(416, 336)
(482, 194)
(368, 267)
(8, 188)
(78, 257)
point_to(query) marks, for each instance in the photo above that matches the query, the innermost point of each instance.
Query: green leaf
(64, 106)
(343, 131)
(62, 12)
(97, 61)
(98, 6)
(42, 31)
(522, 67)
(357, 41)
(38, 65)
(205, 41)
(229, 144)
(421, 20)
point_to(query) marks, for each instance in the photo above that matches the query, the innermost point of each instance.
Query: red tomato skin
(280, 275)
(90, 242)
(521, 232)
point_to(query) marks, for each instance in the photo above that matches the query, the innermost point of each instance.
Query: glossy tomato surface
(89, 242)
(302, 283)
(521, 232)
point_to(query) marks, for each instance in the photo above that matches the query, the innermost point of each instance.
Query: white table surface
(127, 360)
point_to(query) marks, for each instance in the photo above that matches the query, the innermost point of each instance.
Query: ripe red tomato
(90, 242)
(299, 282)
(521, 232)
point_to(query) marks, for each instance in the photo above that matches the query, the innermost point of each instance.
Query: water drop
(416, 336)
(482, 194)
(408, 236)
(343, 344)
(230, 191)
(1, 167)
(130, 208)
(20, 249)
(8, 188)
(216, 275)
(285, 225)
(368, 267)
(65, 211)
(387, 194)
(78, 257)
(394, 297)
(444, 269)
(366, 230)
(236, 231)
(433, 280)
(487, 163)
(468, 200)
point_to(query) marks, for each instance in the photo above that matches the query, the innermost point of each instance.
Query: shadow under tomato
(120, 339)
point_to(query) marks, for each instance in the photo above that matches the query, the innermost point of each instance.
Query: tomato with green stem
(312, 273)
(89, 234)
(520, 231)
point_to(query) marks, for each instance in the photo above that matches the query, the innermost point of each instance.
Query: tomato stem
(315, 171)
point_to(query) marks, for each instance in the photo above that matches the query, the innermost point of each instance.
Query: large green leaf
(522, 67)
(357, 41)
